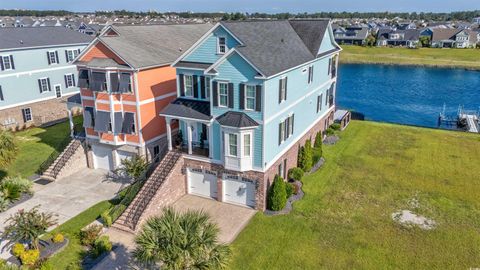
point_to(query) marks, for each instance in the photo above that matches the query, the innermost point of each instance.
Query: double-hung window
(6, 62)
(71, 54)
(319, 102)
(247, 144)
(310, 74)
(232, 144)
(27, 114)
(52, 57)
(69, 80)
(223, 94)
(282, 90)
(189, 85)
(43, 85)
(207, 87)
(222, 45)
(250, 95)
(285, 129)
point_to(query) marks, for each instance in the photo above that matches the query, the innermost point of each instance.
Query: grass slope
(461, 58)
(344, 220)
(35, 145)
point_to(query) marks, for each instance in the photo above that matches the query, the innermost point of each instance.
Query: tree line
(429, 16)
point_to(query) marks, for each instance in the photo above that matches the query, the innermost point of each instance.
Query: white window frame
(225, 48)
(290, 126)
(42, 80)
(24, 112)
(244, 145)
(220, 95)
(282, 131)
(283, 89)
(254, 98)
(208, 83)
(55, 88)
(74, 54)
(8, 60)
(186, 86)
(70, 83)
(230, 145)
(54, 61)
(130, 85)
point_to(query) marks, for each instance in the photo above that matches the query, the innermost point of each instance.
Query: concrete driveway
(231, 219)
(69, 196)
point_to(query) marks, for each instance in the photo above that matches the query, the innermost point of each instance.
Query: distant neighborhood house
(352, 35)
(454, 38)
(390, 37)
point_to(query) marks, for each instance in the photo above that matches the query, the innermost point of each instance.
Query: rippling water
(405, 94)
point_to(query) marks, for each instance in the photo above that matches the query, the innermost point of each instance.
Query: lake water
(405, 94)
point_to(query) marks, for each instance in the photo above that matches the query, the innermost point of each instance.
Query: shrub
(90, 234)
(330, 131)
(44, 264)
(295, 173)
(24, 184)
(101, 245)
(134, 167)
(107, 219)
(290, 189)
(308, 156)
(10, 191)
(30, 257)
(335, 126)
(301, 157)
(58, 238)
(318, 140)
(4, 203)
(18, 249)
(277, 195)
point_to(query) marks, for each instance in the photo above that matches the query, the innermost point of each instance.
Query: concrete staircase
(62, 160)
(129, 220)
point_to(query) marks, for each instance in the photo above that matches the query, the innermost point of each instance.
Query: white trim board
(38, 100)
(37, 71)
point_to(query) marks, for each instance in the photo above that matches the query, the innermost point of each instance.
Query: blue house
(37, 77)
(249, 94)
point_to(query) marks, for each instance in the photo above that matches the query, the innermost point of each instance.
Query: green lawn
(344, 220)
(35, 146)
(463, 58)
(71, 256)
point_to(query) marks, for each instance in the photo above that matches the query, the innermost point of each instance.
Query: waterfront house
(392, 37)
(249, 94)
(36, 74)
(454, 38)
(351, 35)
(126, 80)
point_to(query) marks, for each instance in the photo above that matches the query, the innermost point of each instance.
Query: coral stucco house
(125, 80)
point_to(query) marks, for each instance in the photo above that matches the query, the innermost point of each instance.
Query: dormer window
(222, 45)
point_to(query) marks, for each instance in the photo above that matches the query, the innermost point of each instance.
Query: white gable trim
(200, 41)
(225, 56)
(332, 38)
(92, 44)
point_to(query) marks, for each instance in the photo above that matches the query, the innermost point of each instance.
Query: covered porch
(194, 123)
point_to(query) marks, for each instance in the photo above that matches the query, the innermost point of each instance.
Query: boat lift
(467, 120)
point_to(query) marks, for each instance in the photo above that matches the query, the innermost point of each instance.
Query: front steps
(56, 168)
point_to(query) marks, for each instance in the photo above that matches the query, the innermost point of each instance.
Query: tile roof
(26, 37)
(188, 108)
(236, 120)
(277, 45)
(153, 45)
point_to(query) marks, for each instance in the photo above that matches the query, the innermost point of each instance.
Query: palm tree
(180, 241)
(8, 148)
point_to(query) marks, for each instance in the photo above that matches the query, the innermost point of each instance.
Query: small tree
(370, 40)
(8, 148)
(318, 143)
(134, 167)
(27, 226)
(180, 241)
(308, 156)
(301, 157)
(424, 41)
(277, 194)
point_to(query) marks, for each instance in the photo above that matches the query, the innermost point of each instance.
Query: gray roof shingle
(26, 37)
(188, 108)
(277, 45)
(236, 120)
(153, 45)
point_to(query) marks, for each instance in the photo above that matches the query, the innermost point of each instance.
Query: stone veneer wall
(43, 112)
(76, 163)
(170, 191)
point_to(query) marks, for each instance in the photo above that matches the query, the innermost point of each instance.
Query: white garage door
(238, 191)
(202, 182)
(102, 157)
(121, 155)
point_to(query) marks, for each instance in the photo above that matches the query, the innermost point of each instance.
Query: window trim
(54, 87)
(46, 85)
(25, 114)
(249, 144)
(54, 62)
(71, 76)
(224, 44)
(9, 62)
(246, 97)
(283, 89)
(220, 94)
(230, 145)
(185, 85)
(208, 86)
(73, 51)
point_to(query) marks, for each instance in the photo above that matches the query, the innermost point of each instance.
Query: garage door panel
(202, 183)
(102, 157)
(239, 192)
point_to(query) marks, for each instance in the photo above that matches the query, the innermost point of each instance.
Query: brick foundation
(43, 112)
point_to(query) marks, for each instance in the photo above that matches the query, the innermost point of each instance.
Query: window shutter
(66, 56)
(286, 87)
(195, 86)
(181, 84)
(311, 76)
(258, 98)
(73, 80)
(66, 81)
(202, 87)
(49, 88)
(293, 122)
(329, 65)
(114, 82)
(78, 50)
(24, 116)
(215, 93)
(1, 64)
(40, 85)
(48, 58)
(279, 133)
(56, 57)
(286, 132)
(280, 91)
(11, 62)
(1, 94)
(230, 95)
(242, 96)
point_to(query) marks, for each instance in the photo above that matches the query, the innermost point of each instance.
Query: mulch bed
(317, 165)
(47, 249)
(290, 201)
(330, 140)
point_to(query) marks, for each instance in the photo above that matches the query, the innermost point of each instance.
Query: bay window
(232, 144)
(246, 144)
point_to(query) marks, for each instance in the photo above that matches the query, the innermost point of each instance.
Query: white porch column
(169, 133)
(210, 140)
(70, 118)
(189, 137)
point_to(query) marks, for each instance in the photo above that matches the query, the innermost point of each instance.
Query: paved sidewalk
(67, 197)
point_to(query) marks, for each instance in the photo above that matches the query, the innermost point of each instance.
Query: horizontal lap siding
(156, 82)
(153, 124)
(101, 51)
(206, 52)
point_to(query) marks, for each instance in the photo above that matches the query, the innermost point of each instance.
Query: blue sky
(269, 6)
